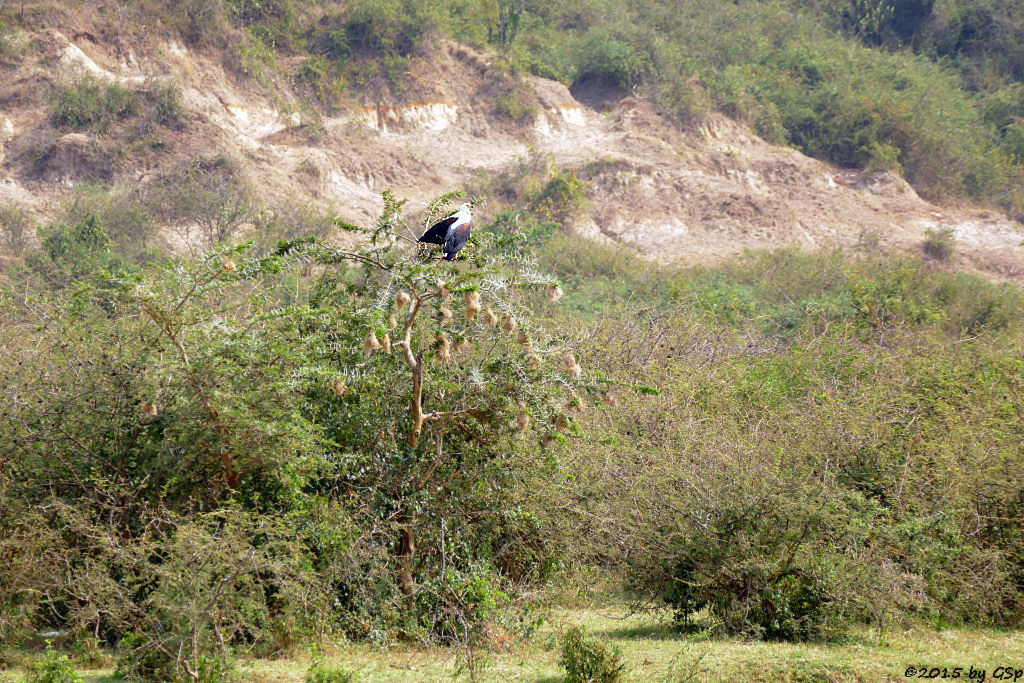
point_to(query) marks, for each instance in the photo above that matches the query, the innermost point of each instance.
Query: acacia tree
(442, 371)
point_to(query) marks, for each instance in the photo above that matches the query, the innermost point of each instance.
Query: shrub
(512, 104)
(54, 668)
(92, 104)
(168, 109)
(15, 227)
(587, 660)
(120, 211)
(755, 572)
(940, 243)
(210, 192)
(561, 199)
(322, 672)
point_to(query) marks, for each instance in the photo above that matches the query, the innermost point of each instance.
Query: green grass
(653, 651)
(91, 104)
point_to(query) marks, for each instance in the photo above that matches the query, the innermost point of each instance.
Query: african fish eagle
(452, 232)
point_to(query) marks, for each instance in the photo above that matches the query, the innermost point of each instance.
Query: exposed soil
(673, 195)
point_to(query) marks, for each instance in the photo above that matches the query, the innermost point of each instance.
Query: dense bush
(587, 660)
(54, 668)
(793, 477)
(120, 212)
(247, 458)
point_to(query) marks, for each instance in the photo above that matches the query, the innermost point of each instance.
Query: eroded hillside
(673, 195)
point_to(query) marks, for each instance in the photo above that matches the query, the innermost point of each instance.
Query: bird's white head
(466, 208)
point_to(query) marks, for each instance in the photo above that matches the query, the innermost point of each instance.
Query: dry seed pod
(339, 386)
(386, 343)
(611, 399)
(577, 406)
(229, 266)
(150, 409)
(461, 345)
(561, 425)
(510, 324)
(402, 300)
(490, 318)
(523, 420)
(443, 291)
(533, 362)
(445, 314)
(549, 441)
(472, 305)
(523, 339)
(371, 343)
(554, 293)
(392, 323)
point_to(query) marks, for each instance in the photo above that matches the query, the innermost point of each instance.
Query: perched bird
(452, 232)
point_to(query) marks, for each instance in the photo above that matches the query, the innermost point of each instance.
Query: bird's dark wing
(456, 240)
(438, 231)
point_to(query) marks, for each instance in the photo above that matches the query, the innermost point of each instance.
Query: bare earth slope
(688, 196)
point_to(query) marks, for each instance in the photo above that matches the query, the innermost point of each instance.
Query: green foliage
(370, 43)
(120, 212)
(273, 23)
(785, 292)
(92, 104)
(73, 253)
(204, 23)
(882, 156)
(613, 57)
(510, 16)
(322, 672)
(54, 668)
(561, 199)
(586, 659)
(760, 571)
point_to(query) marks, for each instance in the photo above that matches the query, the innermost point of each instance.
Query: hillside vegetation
(932, 88)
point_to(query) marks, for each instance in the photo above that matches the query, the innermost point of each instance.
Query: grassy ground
(652, 651)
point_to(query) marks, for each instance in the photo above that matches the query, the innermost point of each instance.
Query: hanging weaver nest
(371, 344)
(571, 365)
(472, 305)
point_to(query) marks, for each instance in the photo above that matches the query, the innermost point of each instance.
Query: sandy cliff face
(691, 196)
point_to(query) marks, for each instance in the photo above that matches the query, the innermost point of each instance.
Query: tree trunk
(406, 554)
